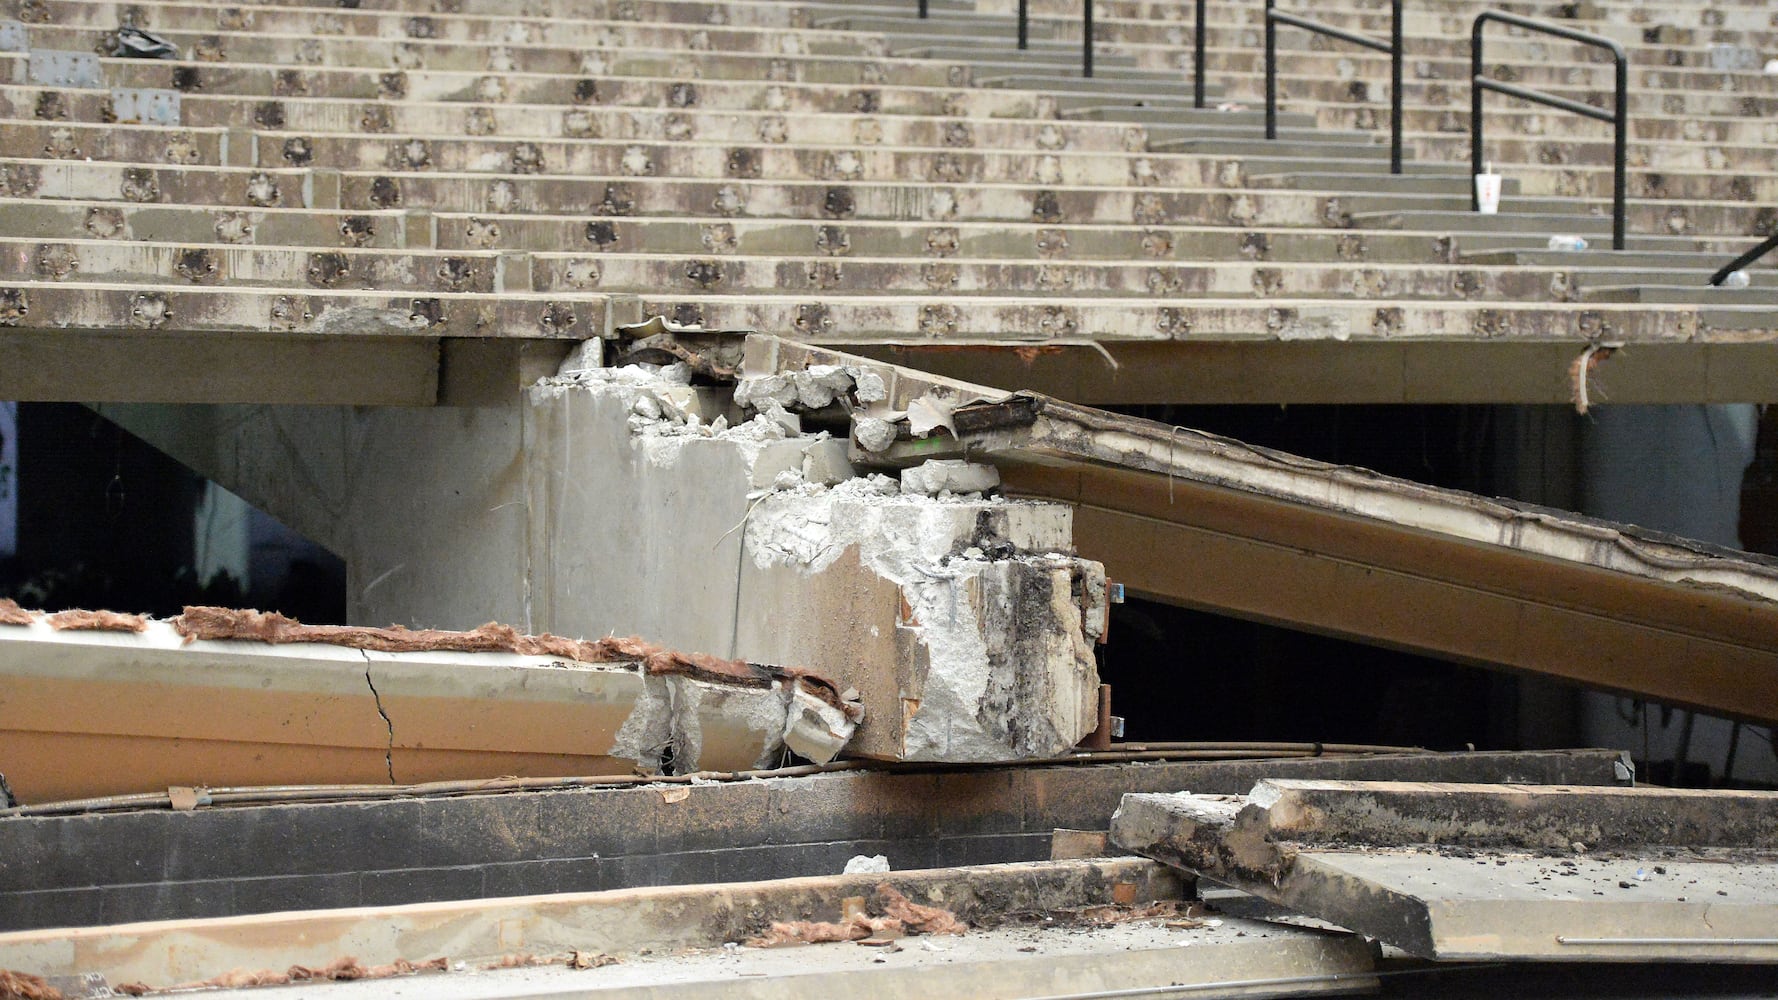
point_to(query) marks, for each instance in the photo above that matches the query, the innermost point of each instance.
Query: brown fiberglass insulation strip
(97, 621)
(274, 628)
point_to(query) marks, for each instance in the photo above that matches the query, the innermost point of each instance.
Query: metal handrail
(1765, 247)
(1086, 38)
(1619, 116)
(1392, 47)
(1198, 58)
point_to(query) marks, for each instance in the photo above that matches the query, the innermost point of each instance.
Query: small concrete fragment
(949, 475)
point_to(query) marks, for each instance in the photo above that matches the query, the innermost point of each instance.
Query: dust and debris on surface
(1082, 931)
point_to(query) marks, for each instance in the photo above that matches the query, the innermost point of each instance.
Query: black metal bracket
(1765, 247)
(1618, 116)
(1274, 17)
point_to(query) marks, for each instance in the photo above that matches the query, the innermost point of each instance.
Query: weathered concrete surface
(1640, 904)
(1529, 817)
(1225, 957)
(162, 709)
(618, 923)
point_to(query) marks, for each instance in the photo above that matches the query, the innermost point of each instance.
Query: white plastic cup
(1487, 193)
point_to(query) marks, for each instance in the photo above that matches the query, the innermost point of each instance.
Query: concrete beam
(1187, 517)
(619, 923)
(1275, 371)
(1526, 817)
(1691, 905)
(162, 709)
(140, 367)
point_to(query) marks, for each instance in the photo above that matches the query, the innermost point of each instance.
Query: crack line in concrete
(389, 753)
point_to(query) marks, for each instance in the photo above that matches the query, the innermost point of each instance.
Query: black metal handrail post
(923, 11)
(1765, 247)
(1198, 58)
(1024, 24)
(1086, 38)
(1618, 116)
(1393, 48)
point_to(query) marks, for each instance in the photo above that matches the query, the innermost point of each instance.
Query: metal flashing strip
(145, 106)
(58, 68)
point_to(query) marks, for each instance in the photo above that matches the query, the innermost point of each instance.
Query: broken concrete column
(964, 623)
(699, 516)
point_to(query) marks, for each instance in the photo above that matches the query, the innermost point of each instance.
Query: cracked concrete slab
(166, 709)
(1467, 895)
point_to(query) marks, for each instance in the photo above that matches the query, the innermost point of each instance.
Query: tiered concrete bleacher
(467, 171)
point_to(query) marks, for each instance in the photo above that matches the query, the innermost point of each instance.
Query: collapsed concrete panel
(1440, 871)
(217, 698)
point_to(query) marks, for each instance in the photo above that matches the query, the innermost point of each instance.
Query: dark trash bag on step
(134, 43)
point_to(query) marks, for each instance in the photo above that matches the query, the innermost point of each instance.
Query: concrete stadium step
(958, 240)
(298, 227)
(198, 309)
(155, 14)
(458, 232)
(1596, 229)
(691, 12)
(1520, 179)
(197, 26)
(836, 200)
(989, 66)
(1523, 121)
(176, 265)
(968, 276)
(709, 161)
(916, 319)
(1135, 89)
(1520, 121)
(1449, 181)
(846, 64)
(1672, 294)
(951, 26)
(1299, 93)
(620, 93)
(122, 143)
(1583, 154)
(1338, 146)
(509, 61)
(308, 117)
(1670, 262)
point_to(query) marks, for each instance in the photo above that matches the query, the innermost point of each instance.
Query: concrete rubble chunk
(1486, 871)
(949, 475)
